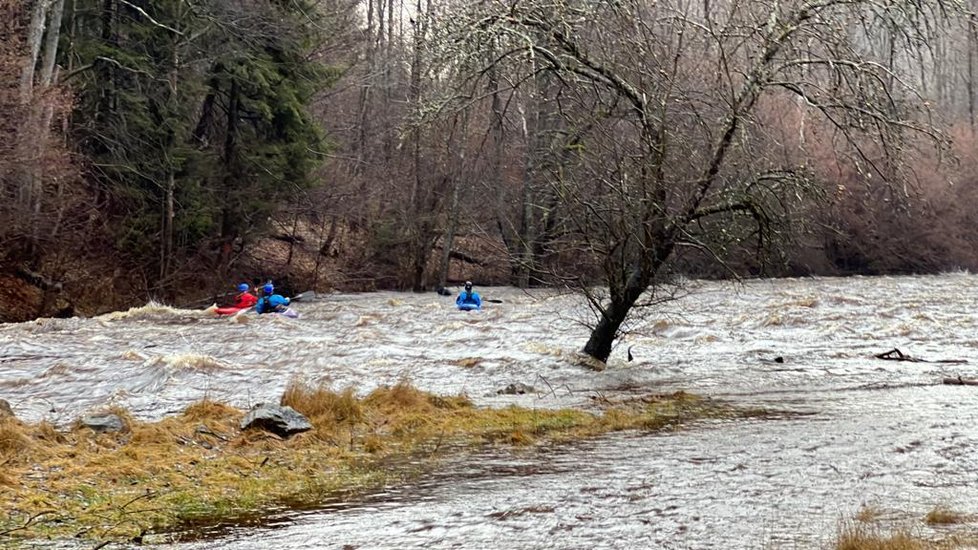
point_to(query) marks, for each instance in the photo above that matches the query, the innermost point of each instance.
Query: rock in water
(517, 388)
(5, 409)
(282, 421)
(104, 423)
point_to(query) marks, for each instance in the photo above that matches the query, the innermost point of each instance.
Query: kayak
(289, 312)
(230, 310)
(468, 307)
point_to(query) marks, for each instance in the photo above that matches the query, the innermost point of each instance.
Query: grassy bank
(871, 530)
(198, 469)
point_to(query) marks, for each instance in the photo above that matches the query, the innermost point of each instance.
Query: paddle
(242, 316)
(492, 301)
(307, 295)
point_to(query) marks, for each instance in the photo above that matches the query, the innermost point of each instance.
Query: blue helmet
(243, 287)
(268, 288)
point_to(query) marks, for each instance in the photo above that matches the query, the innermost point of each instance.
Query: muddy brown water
(880, 434)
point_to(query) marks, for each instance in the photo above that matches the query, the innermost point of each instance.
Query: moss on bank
(198, 469)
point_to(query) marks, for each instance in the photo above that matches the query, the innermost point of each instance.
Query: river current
(859, 432)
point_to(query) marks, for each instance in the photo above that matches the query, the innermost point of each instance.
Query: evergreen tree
(195, 120)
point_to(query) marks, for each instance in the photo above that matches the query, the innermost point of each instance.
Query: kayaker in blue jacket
(468, 300)
(271, 302)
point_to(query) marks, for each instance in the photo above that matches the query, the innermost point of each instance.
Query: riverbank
(154, 481)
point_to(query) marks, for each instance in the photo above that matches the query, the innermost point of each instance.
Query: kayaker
(271, 302)
(468, 300)
(245, 299)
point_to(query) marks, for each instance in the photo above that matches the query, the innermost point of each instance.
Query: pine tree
(195, 120)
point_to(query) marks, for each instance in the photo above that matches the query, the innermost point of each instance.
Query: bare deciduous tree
(669, 116)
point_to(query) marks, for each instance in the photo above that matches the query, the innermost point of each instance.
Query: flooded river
(869, 433)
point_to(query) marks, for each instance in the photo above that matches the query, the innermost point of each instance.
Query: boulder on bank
(104, 423)
(280, 420)
(5, 409)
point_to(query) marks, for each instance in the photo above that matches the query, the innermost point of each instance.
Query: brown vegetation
(862, 538)
(198, 468)
(869, 534)
(944, 515)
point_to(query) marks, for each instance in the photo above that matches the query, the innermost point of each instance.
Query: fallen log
(291, 239)
(463, 257)
(897, 355)
(38, 280)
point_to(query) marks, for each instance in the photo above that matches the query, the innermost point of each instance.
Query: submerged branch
(897, 355)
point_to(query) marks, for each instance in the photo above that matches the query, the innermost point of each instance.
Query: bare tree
(669, 110)
(38, 76)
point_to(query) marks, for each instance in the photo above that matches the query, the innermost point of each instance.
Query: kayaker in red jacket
(245, 299)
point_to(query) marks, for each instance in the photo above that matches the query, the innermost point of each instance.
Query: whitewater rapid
(856, 431)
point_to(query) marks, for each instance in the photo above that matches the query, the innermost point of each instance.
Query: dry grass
(859, 537)
(323, 405)
(13, 438)
(334, 415)
(210, 410)
(944, 515)
(198, 468)
(868, 514)
(865, 534)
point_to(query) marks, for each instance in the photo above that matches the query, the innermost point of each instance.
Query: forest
(167, 150)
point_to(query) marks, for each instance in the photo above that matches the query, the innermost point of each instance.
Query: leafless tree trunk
(449, 240)
(496, 179)
(228, 157)
(37, 78)
(970, 80)
(363, 104)
(422, 217)
(522, 248)
(35, 36)
(169, 206)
